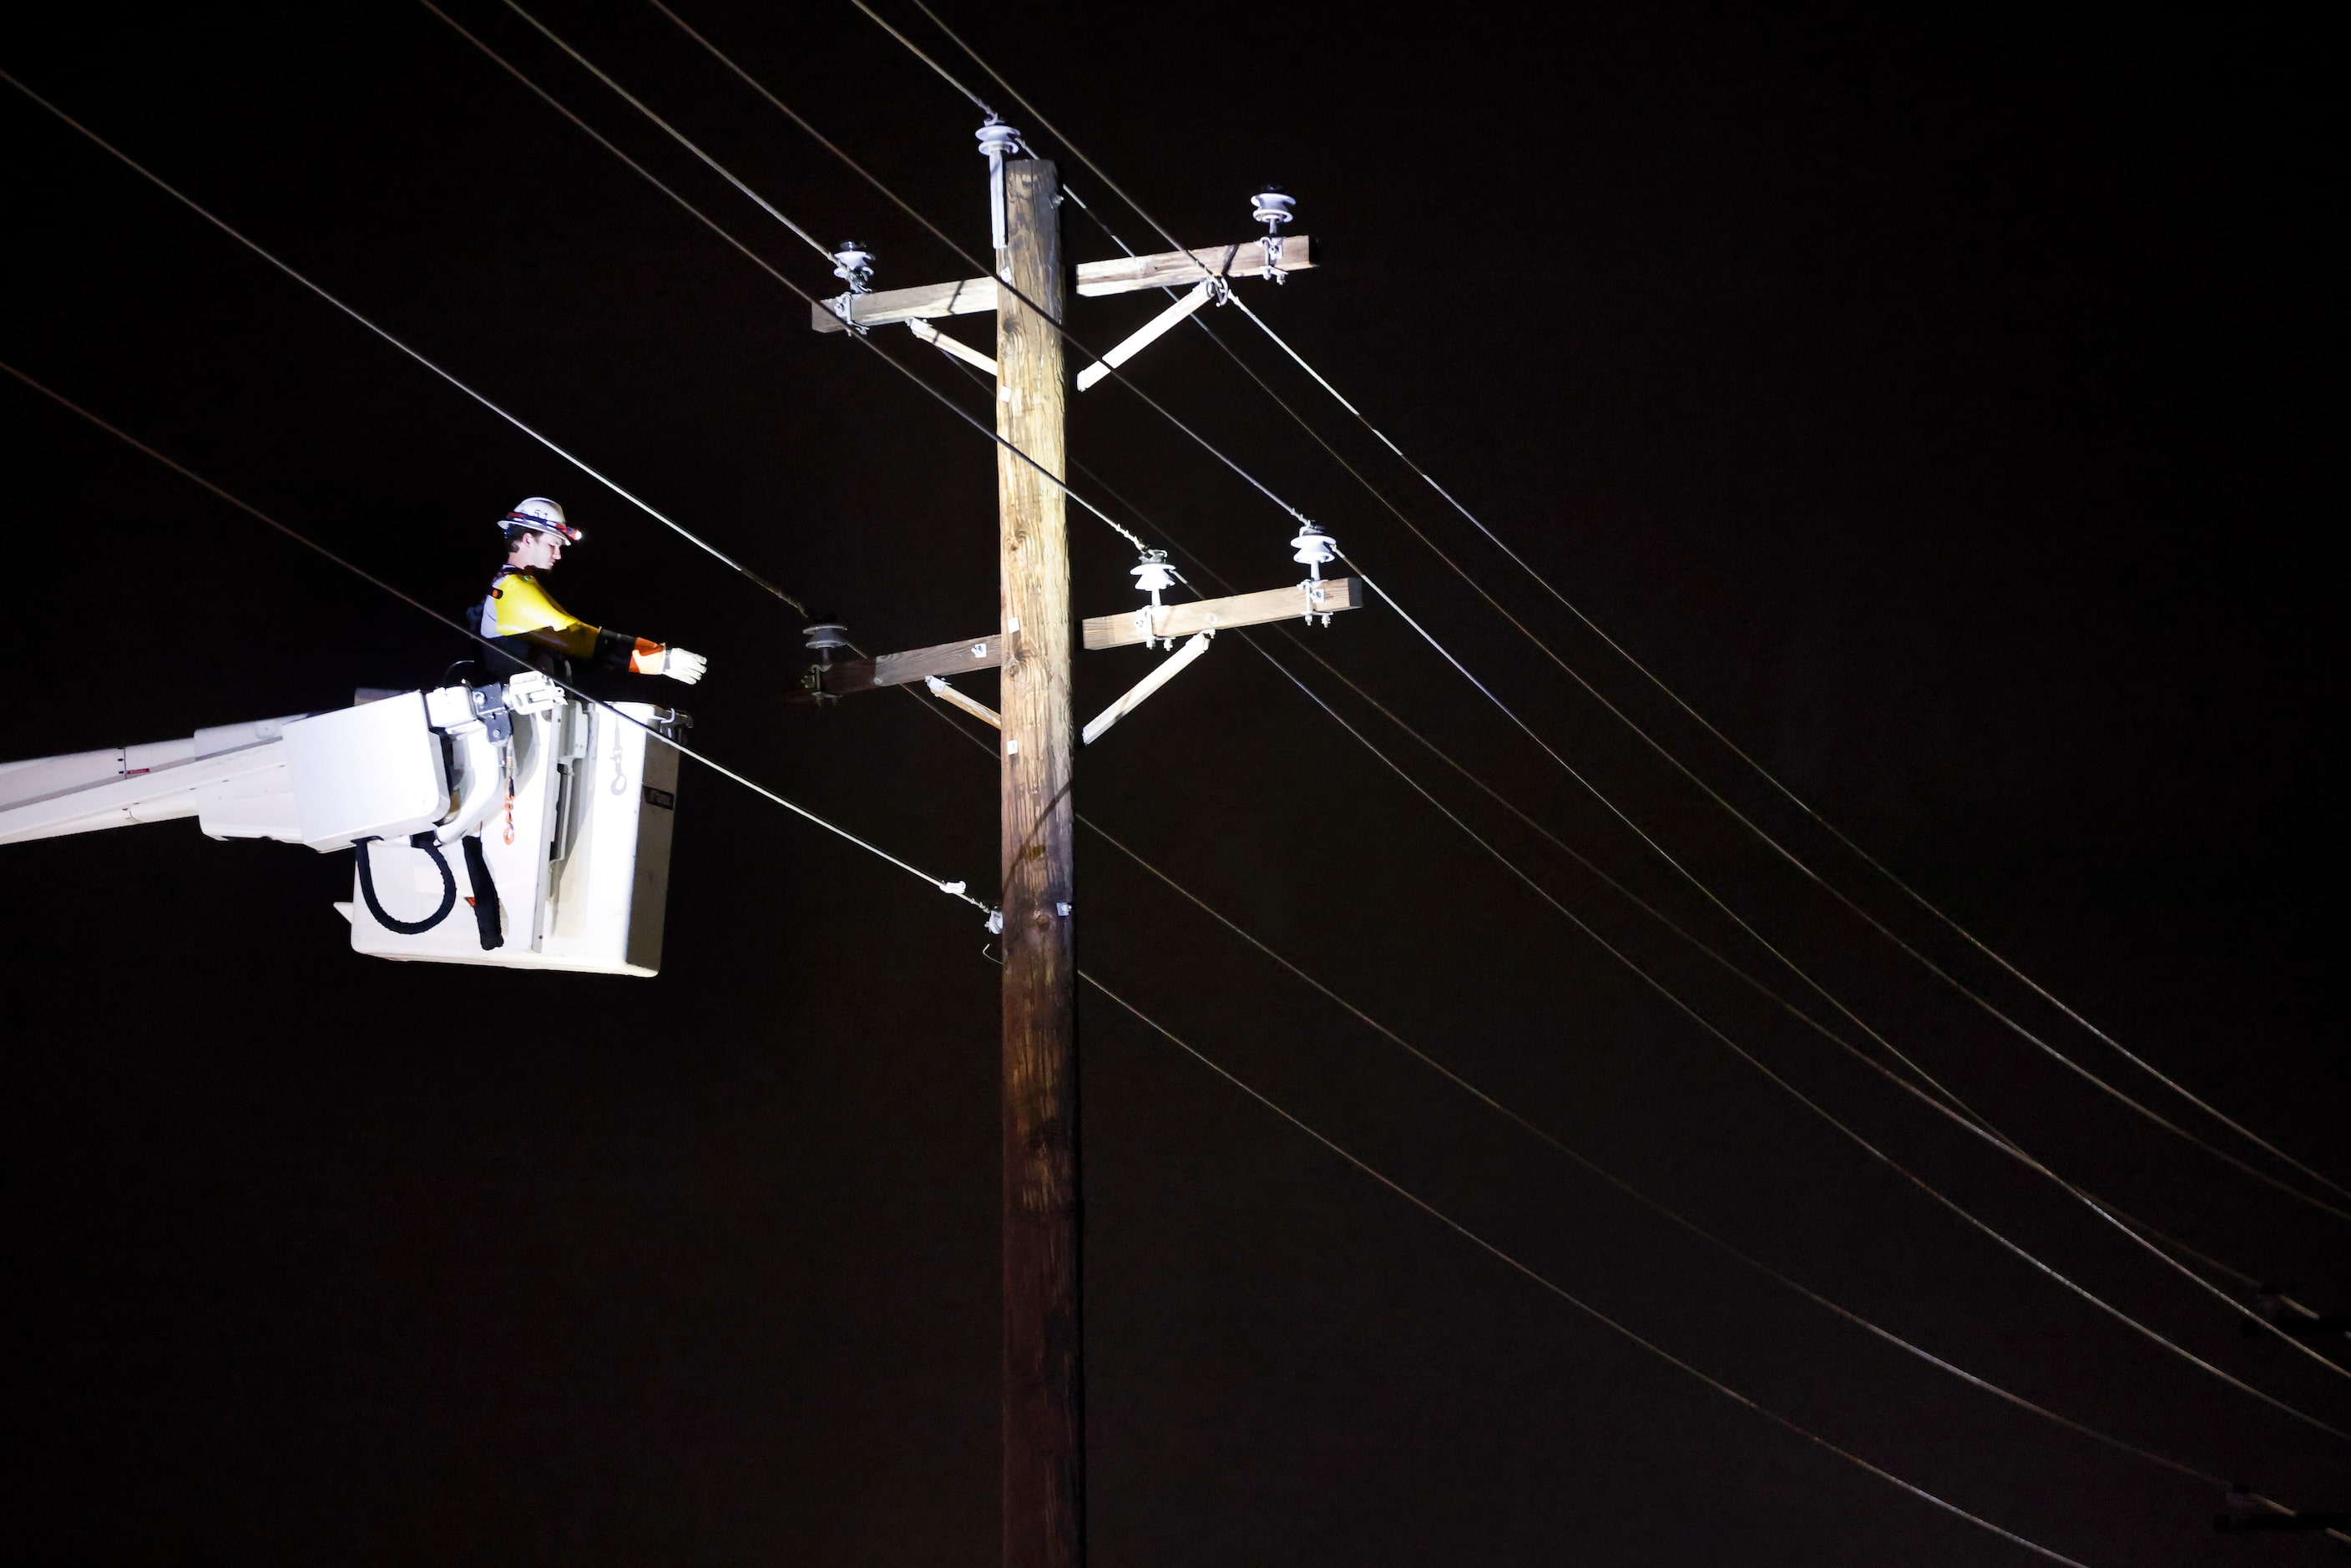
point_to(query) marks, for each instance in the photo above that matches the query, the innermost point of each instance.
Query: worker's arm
(522, 608)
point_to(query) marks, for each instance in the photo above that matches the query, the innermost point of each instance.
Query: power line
(2139, 1233)
(1757, 829)
(673, 132)
(800, 121)
(1060, 327)
(209, 217)
(2001, 1140)
(1790, 795)
(957, 890)
(1957, 1109)
(1818, 1110)
(711, 223)
(687, 751)
(1938, 971)
(1628, 1188)
(1861, 1142)
(915, 50)
(643, 108)
(2098, 1205)
(1728, 1248)
(1982, 1002)
(1531, 1273)
(1969, 1120)
(1602, 874)
(953, 889)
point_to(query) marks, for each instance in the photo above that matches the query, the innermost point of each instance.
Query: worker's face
(535, 551)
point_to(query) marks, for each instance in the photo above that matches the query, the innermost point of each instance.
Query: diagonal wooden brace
(1167, 671)
(972, 706)
(1144, 336)
(946, 345)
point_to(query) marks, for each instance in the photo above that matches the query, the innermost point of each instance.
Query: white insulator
(1272, 208)
(854, 265)
(1316, 549)
(996, 141)
(1154, 576)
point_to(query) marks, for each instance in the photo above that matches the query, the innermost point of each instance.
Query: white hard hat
(542, 515)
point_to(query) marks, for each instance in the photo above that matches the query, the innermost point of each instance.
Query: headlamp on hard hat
(541, 516)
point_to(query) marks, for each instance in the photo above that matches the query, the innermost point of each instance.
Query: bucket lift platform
(557, 810)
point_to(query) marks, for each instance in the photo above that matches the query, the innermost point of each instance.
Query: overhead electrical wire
(1664, 991)
(712, 550)
(1554, 1288)
(952, 889)
(914, 49)
(955, 890)
(1059, 327)
(1822, 1111)
(1957, 1110)
(583, 467)
(2086, 1198)
(1979, 1000)
(946, 239)
(1665, 1211)
(1919, 1352)
(1301, 645)
(2133, 1231)
(639, 168)
(224, 495)
(1970, 1120)
(806, 126)
(646, 110)
(2170, 1242)
(1773, 779)
(1730, 1249)
(1635, 1193)
(711, 223)
(1950, 1104)
(1982, 1002)
(1038, 116)
(217, 222)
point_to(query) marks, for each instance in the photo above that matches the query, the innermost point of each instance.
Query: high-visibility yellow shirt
(518, 607)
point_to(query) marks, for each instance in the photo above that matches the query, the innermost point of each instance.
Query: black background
(1928, 400)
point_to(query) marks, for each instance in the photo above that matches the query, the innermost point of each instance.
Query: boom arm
(231, 778)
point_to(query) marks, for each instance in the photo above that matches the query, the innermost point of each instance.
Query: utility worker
(530, 627)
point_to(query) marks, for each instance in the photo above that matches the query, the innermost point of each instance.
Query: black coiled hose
(432, 847)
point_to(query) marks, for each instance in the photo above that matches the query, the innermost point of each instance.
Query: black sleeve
(614, 648)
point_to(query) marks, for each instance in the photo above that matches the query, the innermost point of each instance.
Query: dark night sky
(1927, 399)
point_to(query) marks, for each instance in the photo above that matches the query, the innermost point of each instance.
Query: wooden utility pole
(1044, 1386)
(1044, 1391)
